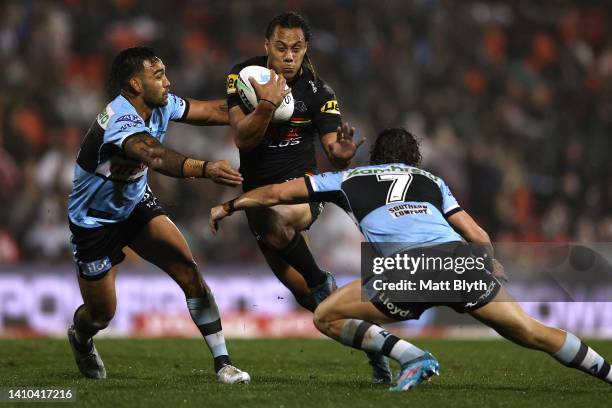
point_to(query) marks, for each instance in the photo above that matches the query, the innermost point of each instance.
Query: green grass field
(293, 372)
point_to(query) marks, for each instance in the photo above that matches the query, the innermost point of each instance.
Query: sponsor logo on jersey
(129, 125)
(392, 168)
(104, 116)
(300, 106)
(178, 100)
(95, 268)
(292, 138)
(331, 107)
(130, 118)
(231, 83)
(408, 209)
(314, 87)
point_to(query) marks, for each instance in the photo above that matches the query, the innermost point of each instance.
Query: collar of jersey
(125, 100)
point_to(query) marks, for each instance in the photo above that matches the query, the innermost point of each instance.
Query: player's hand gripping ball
(278, 96)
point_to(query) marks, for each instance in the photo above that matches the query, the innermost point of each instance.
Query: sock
(83, 336)
(205, 315)
(574, 353)
(297, 254)
(372, 338)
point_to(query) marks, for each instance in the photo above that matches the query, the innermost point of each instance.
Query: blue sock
(574, 353)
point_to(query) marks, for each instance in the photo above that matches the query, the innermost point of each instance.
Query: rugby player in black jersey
(276, 152)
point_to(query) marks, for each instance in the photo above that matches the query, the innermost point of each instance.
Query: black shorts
(461, 301)
(96, 250)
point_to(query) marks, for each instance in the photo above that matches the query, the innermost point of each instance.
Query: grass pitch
(300, 373)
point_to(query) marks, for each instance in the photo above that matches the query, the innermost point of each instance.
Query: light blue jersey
(107, 184)
(391, 203)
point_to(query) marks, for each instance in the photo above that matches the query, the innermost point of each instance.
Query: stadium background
(512, 101)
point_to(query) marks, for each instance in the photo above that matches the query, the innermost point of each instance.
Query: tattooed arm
(149, 151)
(209, 113)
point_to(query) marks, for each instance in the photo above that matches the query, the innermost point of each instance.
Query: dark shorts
(96, 250)
(462, 300)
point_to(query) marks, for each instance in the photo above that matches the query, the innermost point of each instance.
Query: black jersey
(287, 150)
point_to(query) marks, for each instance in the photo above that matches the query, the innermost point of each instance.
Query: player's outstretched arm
(249, 130)
(469, 229)
(290, 192)
(340, 147)
(207, 113)
(149, 151)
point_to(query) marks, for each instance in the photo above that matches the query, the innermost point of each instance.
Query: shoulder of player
(119, 112)
(314, 83)
(391, 168)
(176, 100)
(324, 88)
(323, 96)
(260, 60)
(319, 81)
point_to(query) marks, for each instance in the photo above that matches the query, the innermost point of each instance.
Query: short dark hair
(290, 19)
(128, 62)
(396, 145)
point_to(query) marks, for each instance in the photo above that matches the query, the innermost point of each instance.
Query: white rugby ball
(249, 98)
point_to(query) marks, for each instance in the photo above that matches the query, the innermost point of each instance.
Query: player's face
(155, 83)
(286, 49)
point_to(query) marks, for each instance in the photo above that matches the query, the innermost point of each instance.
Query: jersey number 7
(399, 186)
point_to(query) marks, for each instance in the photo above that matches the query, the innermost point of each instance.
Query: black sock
(297, 254)
(220, 362)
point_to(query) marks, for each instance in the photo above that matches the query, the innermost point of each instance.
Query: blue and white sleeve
(450, 205)
(324, 182)
(327, 187)
(178, 107)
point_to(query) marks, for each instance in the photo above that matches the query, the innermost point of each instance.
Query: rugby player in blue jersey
(395, 202)
(111, 206)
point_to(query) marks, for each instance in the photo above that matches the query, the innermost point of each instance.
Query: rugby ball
(249, 98)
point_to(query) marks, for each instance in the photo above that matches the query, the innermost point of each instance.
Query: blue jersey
(107, 184)
(391, 203)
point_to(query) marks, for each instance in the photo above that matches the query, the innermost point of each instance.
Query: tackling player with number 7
(392, 182)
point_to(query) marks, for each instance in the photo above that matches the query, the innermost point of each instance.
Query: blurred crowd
(512, 101)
